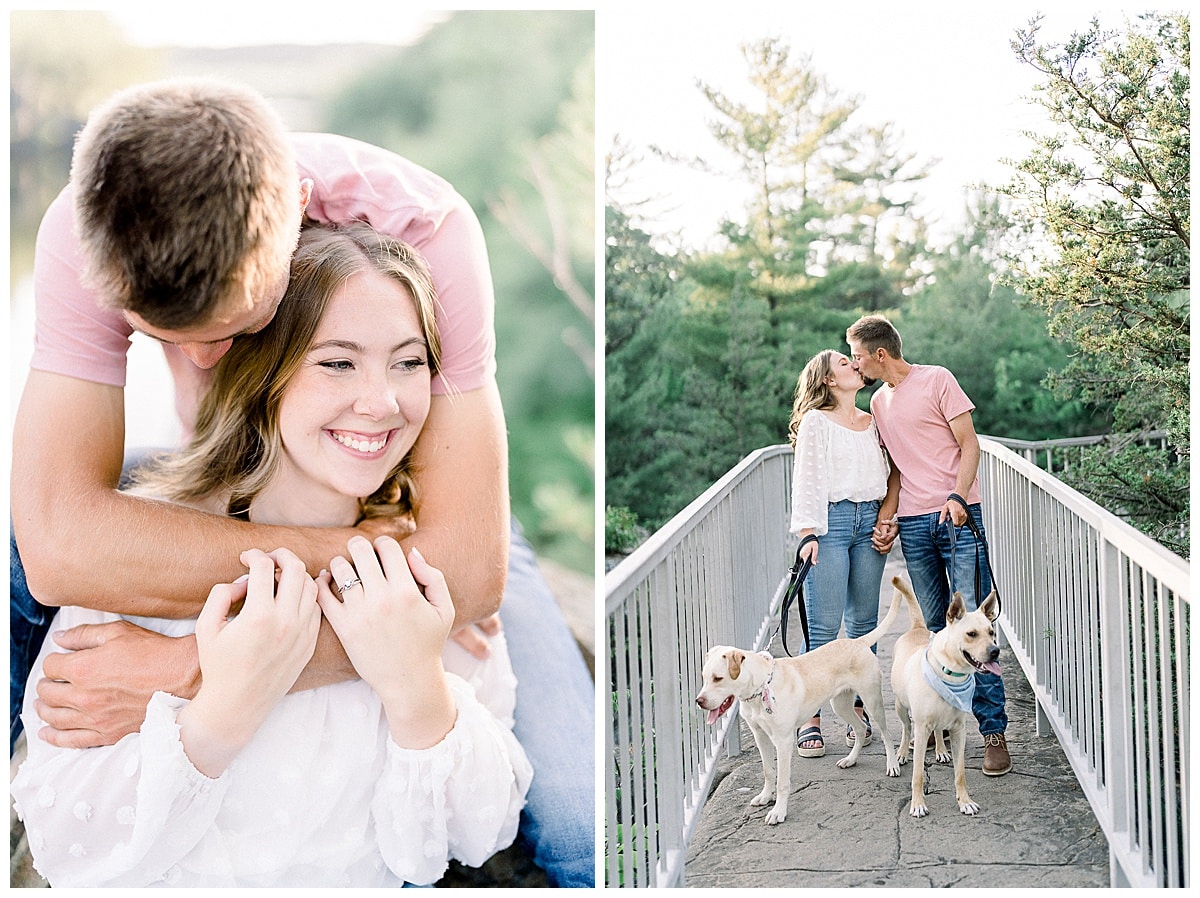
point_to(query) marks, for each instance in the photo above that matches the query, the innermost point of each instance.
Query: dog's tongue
(717, 712)
(991, 667)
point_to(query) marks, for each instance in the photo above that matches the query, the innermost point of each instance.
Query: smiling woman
(308, 422)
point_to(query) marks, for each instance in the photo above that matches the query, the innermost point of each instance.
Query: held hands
(250, 661)
(393, 620)
(883, 535)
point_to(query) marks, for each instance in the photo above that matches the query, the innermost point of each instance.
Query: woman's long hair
(812, 391)
(236, 447)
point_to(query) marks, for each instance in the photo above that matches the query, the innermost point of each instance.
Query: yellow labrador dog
(932, 678)
(778, 694)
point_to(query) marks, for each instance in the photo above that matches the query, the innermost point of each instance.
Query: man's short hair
(873, 332)
(186, 193)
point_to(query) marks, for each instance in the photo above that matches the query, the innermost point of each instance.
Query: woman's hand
(809, 552)
(250, 661)
(393, 624)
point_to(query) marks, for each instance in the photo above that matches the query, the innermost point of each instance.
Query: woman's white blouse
(322, 796)
(832, 463)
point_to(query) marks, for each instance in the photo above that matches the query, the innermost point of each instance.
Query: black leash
(795, 590)
(979, 542)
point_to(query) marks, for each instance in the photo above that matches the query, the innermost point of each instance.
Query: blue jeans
(555, 713)
(929, 549)
(845, 580)
(28, 623)
(555, 724)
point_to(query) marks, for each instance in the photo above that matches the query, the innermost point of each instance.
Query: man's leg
(989, 689)
(28, 623)
(555, 724)
(926, 569)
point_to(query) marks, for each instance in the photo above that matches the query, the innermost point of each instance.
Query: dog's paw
(969, 808)
(902, 758)
(943, 757)
(918, 810)
(848, 761)
(762, 798)
(776, 816)
(893, 769)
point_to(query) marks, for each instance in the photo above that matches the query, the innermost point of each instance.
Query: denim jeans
(845, 580)
(555, 712)
(941, 557)
(555, 724)
(28, 623)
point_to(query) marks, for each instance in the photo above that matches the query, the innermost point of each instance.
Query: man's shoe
(996, 760)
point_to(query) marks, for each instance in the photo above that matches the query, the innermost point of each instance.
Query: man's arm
(461, 473)
(963, 428)
(85, 543)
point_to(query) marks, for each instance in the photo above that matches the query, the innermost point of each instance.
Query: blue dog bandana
(957, 695)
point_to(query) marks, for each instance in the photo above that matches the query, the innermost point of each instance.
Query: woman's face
(842, 373)
(356, 405)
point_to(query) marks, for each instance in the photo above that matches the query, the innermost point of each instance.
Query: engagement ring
(349, 584)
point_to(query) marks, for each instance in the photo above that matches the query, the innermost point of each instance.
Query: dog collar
(947, 671)
(768, 697)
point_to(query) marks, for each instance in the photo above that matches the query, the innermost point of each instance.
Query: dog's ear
(957, 608)
(735, 664)
(991, 605)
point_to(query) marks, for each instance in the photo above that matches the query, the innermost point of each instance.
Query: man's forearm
(147, 557)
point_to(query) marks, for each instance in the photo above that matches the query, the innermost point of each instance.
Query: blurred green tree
(500, 103)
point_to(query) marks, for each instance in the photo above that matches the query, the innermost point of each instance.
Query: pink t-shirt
(914, 424)
(352, 181)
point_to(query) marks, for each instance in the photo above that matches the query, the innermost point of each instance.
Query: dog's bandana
(957, 695)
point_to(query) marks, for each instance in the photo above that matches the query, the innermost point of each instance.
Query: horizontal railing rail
(1058, 455)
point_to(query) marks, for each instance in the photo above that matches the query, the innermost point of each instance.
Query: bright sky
(943, 73)
(245, 24)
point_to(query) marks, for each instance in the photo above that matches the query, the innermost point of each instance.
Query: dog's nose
(993, 653)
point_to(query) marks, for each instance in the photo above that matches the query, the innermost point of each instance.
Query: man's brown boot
(996, 760)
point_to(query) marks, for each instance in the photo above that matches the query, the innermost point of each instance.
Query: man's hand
(97, 692)
(954, 510)
(473, 637)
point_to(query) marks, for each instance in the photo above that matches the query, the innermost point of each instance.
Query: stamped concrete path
(851, 828)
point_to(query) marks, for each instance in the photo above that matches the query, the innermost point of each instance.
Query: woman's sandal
(810, 734)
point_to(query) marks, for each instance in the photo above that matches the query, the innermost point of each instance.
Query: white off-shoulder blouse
(832, 463)
(322, 796)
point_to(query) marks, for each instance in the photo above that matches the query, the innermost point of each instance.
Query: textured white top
(322, 796)
(832, 463)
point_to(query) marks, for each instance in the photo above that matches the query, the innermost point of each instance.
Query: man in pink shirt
(924, 421)
(184, 207)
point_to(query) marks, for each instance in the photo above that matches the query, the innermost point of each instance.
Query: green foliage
(1102, 203)
(1144, 485)
(621, 531)
(500, 103)
(1101, 241)
(997, 346)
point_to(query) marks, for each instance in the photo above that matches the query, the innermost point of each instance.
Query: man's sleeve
(73, 335)
(354, 181)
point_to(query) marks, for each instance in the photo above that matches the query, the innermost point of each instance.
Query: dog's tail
(916, 618)
(875, 635)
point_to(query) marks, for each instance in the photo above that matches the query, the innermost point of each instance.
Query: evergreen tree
(1101, 228)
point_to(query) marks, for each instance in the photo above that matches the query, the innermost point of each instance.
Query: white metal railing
(710, 576)
(1099, 617)
(1057, 455)
(1097, 614)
